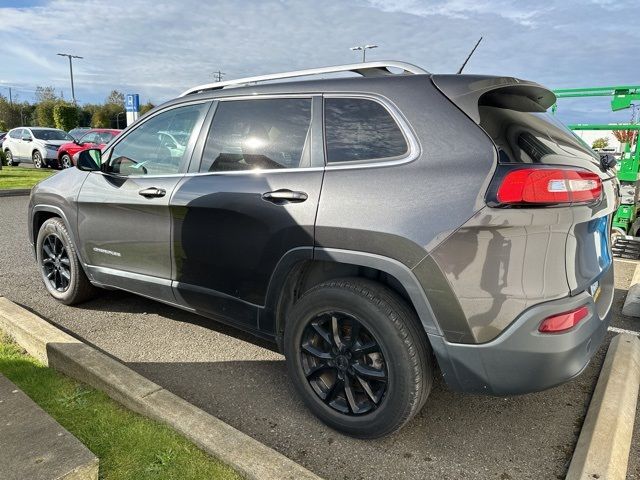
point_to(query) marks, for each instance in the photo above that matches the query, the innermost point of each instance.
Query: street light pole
(118, 119)
(73, 93)
(364, 49)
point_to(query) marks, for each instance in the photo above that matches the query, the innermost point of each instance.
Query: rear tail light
(548, 186)
(563, 321)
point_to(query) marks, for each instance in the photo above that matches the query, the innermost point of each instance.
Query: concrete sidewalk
(34, 446)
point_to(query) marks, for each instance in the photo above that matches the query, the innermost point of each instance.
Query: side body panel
(57, 195)
(403, 211)
(227, 240)
(125, 236)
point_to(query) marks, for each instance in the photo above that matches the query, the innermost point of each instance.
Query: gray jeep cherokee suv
(376, 228)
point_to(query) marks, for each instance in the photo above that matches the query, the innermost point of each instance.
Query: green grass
(21, 177)
(128, 445)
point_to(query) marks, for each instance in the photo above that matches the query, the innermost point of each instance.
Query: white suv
(37, 145)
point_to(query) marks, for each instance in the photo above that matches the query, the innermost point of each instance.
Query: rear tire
(365, 395)
(37, 160)
(60, 268)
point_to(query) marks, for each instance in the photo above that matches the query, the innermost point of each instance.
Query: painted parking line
(622, 330)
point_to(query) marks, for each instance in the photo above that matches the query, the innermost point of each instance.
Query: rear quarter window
(358, 129)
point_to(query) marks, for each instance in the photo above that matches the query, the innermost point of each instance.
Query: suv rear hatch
(513, 113)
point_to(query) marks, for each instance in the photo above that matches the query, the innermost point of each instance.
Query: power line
(218, 75)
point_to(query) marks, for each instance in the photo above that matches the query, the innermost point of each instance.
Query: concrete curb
(605, 439)
(15, 192)
(631, 306)
(70, 356)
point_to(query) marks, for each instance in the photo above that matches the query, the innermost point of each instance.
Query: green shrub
(65, 116)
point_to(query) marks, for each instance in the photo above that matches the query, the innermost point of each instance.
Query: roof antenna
(467, 59)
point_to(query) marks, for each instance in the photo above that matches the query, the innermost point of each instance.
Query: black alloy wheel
(60, 268)
(357, 356)
(56, 264)
(343, 363)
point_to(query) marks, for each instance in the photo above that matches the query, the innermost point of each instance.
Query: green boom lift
(625, 221)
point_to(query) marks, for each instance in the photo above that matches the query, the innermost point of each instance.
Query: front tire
(37, 160)
(65, 161)
(10, 160)
(60, 269)
(358, 357)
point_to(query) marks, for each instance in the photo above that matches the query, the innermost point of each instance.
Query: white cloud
(160, 49)
(515, 11)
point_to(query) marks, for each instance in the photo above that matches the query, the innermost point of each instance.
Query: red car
(94, 138)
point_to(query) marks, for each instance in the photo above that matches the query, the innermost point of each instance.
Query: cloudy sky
(158, 49)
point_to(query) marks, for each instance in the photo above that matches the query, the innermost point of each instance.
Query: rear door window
(358, 129)
(261, 134)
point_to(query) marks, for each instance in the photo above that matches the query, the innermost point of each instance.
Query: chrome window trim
(413, 145)
(406, 129)
(268, 96)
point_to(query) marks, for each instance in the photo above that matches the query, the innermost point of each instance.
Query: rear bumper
(522, 360)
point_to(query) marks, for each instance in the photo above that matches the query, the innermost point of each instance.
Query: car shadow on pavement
(114, 301)
(529, 436)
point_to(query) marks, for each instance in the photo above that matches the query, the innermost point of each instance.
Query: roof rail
(367, 69)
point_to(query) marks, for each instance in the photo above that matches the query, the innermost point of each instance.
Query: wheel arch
(42, 213)
(302, 268)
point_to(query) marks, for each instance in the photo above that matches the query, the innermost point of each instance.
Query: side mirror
(89, 160)
(26, 139)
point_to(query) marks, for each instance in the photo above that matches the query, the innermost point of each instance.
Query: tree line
(51, 110)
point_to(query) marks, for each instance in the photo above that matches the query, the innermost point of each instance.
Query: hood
(51, 142)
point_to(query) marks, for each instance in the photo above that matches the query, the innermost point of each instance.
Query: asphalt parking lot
(243, 381)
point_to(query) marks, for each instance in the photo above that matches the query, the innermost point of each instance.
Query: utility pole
(10, 97)
(73, 93)
(218, 75)
(364, 49)
(469, 56)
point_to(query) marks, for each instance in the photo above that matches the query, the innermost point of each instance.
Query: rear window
(529, 137)
(358, 129)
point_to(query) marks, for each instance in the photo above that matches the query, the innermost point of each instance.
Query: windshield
(528, 137)
(42, 134)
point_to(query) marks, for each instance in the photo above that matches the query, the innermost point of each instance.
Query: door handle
(153, 192)
(284, 196)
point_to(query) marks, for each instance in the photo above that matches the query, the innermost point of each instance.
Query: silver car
(37, 145)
